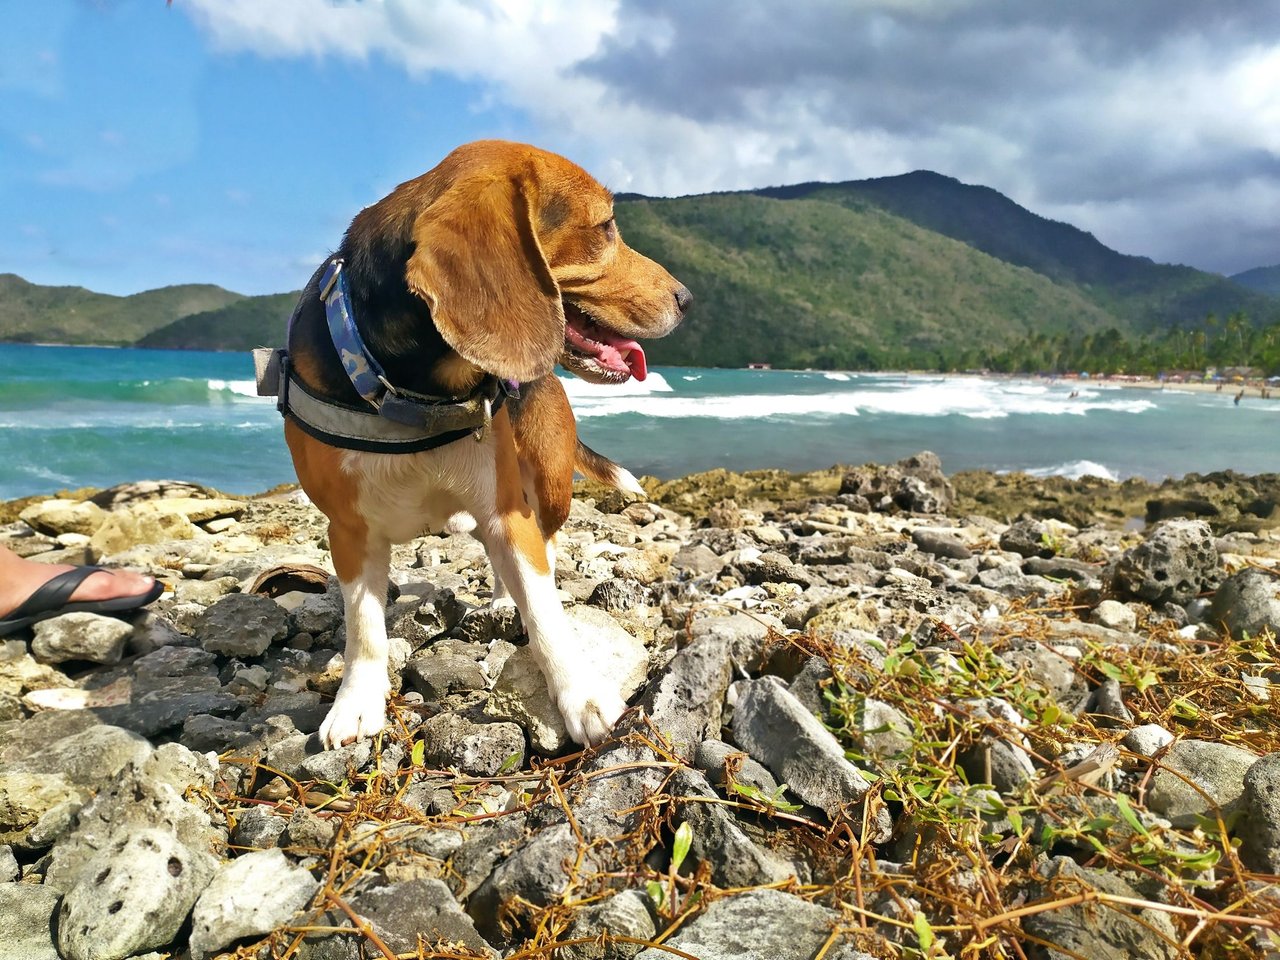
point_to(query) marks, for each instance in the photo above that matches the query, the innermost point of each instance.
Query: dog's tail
(598, 467)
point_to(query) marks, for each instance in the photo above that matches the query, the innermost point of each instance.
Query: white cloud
(1126, 119)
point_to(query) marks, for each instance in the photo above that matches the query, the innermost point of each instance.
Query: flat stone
(128, 528)
(1114, 615)
(173, 661)
(26, 921)
(1218, 769)
(745, 634)
(1147, 739)
(80, 636)
(248, 896)
(940, 543)
(205, 732)
(624, 914)
(755, 925)
(90, 757)
(56, 517)
(157, 704)
(436, 675)
(482, 749)
(22, 738)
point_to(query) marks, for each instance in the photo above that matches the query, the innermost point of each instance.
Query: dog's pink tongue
(635, 360)
(630, 352)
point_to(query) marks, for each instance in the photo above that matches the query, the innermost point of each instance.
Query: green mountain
(1142, 294)
(912, 271)
(247, 323)
(808, 282)
(30, 313)
(1263, 279)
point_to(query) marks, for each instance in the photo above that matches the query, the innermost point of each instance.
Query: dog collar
(363, 369)
(401, 421)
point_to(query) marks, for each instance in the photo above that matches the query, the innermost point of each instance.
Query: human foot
(31, 591)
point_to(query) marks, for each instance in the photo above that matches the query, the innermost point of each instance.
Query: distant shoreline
(1253, 389)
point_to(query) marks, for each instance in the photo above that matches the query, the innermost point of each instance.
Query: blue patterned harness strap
(362, 369)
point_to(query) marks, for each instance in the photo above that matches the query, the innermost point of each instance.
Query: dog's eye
(609, 228)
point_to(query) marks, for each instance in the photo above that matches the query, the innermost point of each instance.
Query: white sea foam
(921, 397)
(577, 388)
(835, 376)
(1075, 470)
(742, 407)
(241, 388)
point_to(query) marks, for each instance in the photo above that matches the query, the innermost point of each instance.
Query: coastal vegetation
(917, 272)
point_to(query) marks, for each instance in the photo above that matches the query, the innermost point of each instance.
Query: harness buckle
(330, 278)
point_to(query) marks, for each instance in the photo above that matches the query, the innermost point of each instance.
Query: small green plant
(774, 801)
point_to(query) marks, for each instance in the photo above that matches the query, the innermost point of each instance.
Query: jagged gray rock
(241, 625)
(452, 740)
(1259, 828)
(9, 869)
(685, 701)
(1178, 559)
(132, 896)
(1248, 602)
(775, 728)
(735, 859)
(1082, 931)
(400, 914)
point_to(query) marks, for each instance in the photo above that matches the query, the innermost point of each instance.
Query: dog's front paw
(359, 710)
(589, 714)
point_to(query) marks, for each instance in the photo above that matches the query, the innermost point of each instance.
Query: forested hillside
(917, 271)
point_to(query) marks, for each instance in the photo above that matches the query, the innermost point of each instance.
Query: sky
(231, 141)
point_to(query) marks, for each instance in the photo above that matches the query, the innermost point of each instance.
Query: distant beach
(1253, 389)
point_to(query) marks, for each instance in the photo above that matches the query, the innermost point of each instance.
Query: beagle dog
(490, 268)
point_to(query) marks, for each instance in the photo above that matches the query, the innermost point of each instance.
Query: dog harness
(394, 420)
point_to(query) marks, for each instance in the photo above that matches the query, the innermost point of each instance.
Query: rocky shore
(877, 713)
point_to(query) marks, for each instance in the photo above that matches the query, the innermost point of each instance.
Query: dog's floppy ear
(478, 265)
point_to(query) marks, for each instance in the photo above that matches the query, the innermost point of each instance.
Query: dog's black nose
(683, 298)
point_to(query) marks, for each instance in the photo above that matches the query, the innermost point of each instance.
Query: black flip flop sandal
(50, 599)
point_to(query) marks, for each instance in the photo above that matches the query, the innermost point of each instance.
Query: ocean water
(82, 416)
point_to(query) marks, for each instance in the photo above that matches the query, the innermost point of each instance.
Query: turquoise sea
(82, 416)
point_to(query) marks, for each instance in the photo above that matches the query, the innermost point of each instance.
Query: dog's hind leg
(360, 707)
